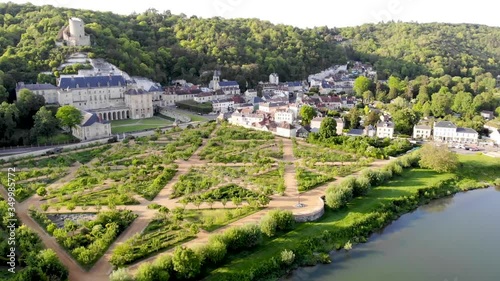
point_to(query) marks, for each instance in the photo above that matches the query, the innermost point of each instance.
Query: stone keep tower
(74, 33)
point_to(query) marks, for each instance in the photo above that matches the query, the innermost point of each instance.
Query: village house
(385, 129)
(283, 115)
(271, 107)
(422, 132)
(223, 106)
(331, 102)
(250, 94)
(446, 131)
(488, 115)
(286, 130)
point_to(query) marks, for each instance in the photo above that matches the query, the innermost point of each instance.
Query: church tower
(216, 80)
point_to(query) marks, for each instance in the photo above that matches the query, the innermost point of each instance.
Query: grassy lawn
(129, 125)
(479, 167)
(196, 118)
(357, 210)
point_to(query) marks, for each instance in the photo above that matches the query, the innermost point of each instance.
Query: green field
(126, 126)
(475, 167)
(196, 118)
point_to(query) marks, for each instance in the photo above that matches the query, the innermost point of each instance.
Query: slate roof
(466, 130)
(257, 100)
(423, 127)
(294, 84)
(89, 119)
(36, 87)
(355, 132)
(387, 124)
(228, 84)
(155, 88)
(92, 82)
(135, 92)
(444, 124)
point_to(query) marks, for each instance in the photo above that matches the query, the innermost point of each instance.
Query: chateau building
(92, 127)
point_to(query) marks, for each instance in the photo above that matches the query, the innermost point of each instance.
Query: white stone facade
(385, 130)
(422, 132)
(446, 131)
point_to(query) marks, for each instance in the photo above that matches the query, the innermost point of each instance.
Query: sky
(308, 13)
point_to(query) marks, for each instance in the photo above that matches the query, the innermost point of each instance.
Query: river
(454, 239)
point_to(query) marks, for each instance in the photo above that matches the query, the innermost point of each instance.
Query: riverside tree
(438, 158)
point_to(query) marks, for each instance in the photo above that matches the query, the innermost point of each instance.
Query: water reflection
(497, 188)
(437, 206)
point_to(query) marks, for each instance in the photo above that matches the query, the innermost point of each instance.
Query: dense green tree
(423, 95)
(28, 104)
(45, 123)
(462, 103)
(353, 118)
(372, 118)
(404, 120)
(368, 97)
(394, 84)
(328, 127)
(4, 95)
(441, 104)
(438, 158)
(9, 115)
(69, 116)
(307, 113)
(361, 85)
(49, 263)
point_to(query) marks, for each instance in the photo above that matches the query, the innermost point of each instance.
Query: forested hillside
(165, 46)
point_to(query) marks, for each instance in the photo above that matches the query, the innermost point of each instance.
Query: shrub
(361, 187)
(371, 175)
(276, 220)
(287, 257)
(338, 196)
(154, 206)
(121, 274)
(215, 251)
(244, 237)
(187, 263)
(149, 272)
(165, 263)
(41, 191)
(268, 225)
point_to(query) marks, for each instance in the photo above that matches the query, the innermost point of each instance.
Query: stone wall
(310, 214)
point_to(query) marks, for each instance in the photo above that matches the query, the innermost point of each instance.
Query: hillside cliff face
(163, 46)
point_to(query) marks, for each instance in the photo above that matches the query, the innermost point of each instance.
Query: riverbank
(426, 244)
(310, 242)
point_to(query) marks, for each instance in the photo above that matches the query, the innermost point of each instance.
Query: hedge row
(338, 195)
(187, 263)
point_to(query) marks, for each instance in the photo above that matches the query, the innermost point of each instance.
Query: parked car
(54, 151)
(112, 139)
